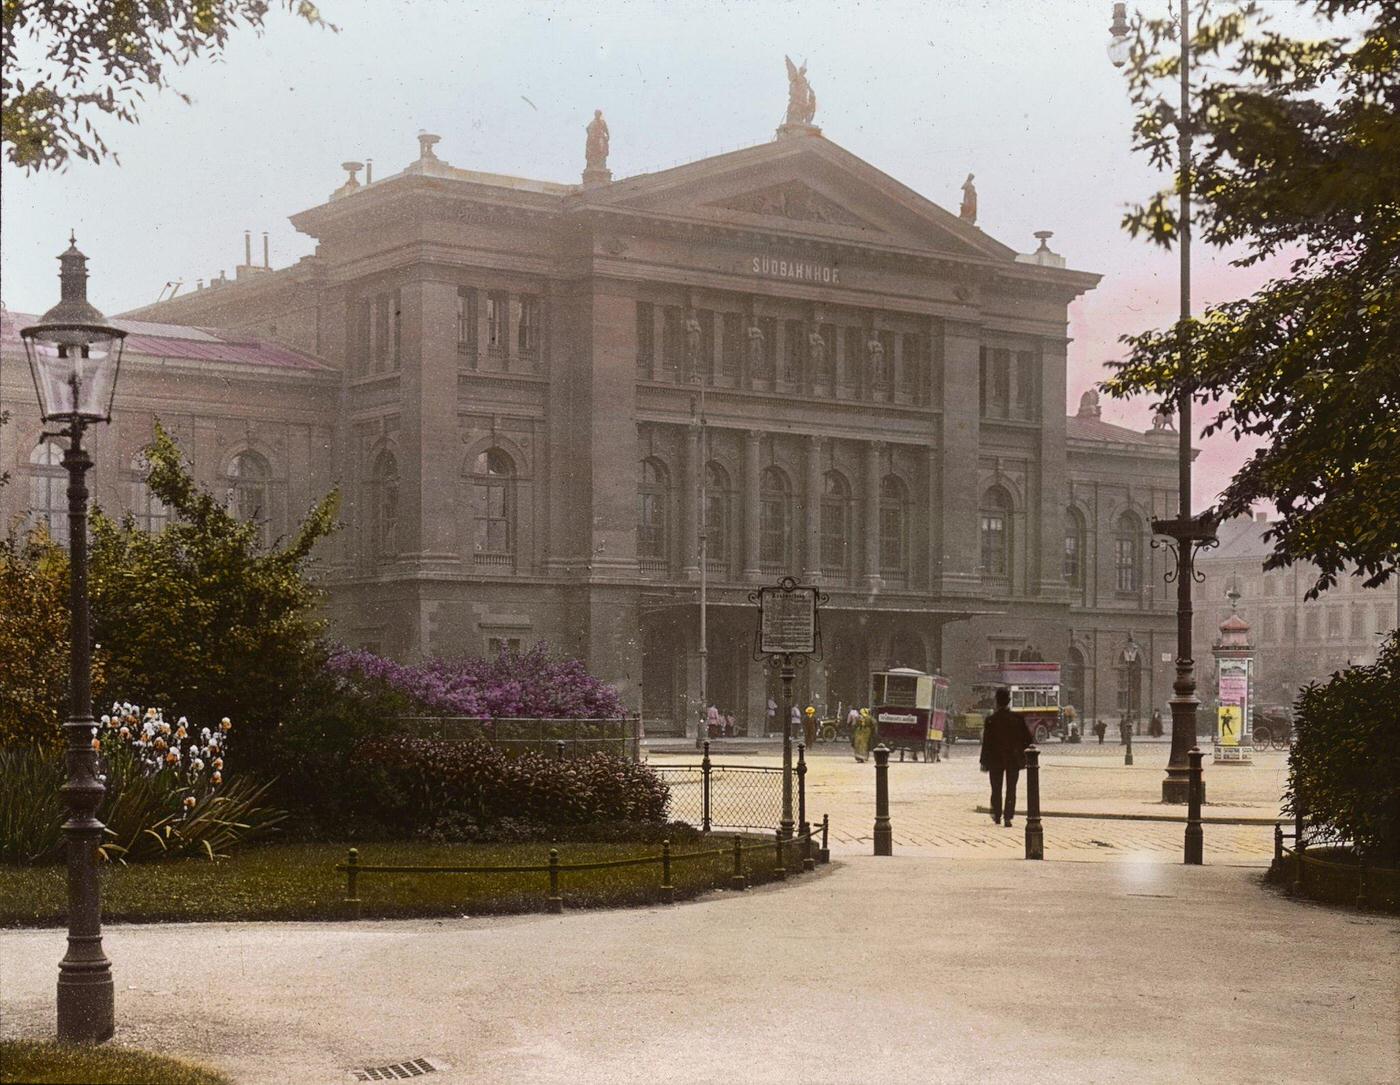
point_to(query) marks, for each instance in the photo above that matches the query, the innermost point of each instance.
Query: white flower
(204, 734)
(184, 722)
(106, 721)
(197, 765)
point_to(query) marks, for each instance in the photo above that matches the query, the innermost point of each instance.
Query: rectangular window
(911, 373)
(794, 344)
(993, 544)
(1290, 626)
(1358, 622)
(1334, 622)
(496, 645)
(527, 325)
(1026, 391)
(1270, 627)
(892, 539)
(646, 337)
(851, 357)
(672, 338)
(1001, 382)
(496, 322)
(466, 321)
(773, 530)
(1126, 564)
(1312, 625)
(731, 343)
(651, 527)
(1071, 561)
(381, 332)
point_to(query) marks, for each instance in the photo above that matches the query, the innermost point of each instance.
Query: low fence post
(779, 871)
(884, 832)
(705, 789)
(737, 879)
(1195, 842)
(1298, 845)
(1035, 832)
(559, 749)
(802, 787)
(352, 871)
(556, 902)
(1128, 753)
(668, 891)
(1278, 842)
(809, 862)
(824, 855)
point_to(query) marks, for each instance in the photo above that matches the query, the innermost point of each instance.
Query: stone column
(872, 514)
(690, 559)
(751, 473)
(812, 568)
(959, 495)
(1053, 491)
(933, 521)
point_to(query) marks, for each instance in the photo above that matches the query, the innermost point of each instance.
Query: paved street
(933, 807)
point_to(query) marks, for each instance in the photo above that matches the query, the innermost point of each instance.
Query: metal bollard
(737, 879)
(668, 891)
(705, 789)
(884, 832)
(559, 749)
(1128, 753)
(352, 873)
(779, 871)
(555, 901)
(1195, 843)
(1035, 832)
(824, 853)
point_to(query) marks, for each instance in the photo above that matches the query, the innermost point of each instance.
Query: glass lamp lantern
(74, 354)
(1119, 45)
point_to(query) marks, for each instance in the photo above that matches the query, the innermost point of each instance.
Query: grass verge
(298, 881)
(49, 1063)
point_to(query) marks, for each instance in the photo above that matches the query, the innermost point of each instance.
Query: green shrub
(417, 787)
(31, 809)
(1345, 765)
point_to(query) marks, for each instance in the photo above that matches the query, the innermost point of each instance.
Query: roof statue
(802, 103)
(595, 151)
(968, 211)
(1089, 404)
(1163, 422)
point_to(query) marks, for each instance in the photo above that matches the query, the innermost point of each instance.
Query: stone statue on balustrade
(757, 355)
(692, 340)
(816, 349)
(595, 151)
(875, 357)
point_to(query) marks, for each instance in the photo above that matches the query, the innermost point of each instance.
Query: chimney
(247, 248)
(266, 263)
(369, 171)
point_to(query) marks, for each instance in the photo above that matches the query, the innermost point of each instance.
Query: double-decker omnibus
(910, 709)
(1035, 694)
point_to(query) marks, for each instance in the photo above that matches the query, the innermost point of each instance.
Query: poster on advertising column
(1232, 694)
(1227, 725)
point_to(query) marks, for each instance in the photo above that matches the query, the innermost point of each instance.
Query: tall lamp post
(1185, 534)
(701, 424)
(74, 357)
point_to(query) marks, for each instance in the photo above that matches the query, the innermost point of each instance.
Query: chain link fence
(725, 796)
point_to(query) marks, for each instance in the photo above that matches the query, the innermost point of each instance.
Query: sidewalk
(898, 970)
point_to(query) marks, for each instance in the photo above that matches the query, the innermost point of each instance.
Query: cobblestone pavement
(933, 807)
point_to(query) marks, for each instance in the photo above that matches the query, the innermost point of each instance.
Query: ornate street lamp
(1184, 535)
(74, 357)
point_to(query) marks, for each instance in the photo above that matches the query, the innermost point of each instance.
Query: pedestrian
(729, 725)
(795, 717)
(712, 721)
(1100, 729)
(1122, 729)
(1004, 742)
(809, 726)
(772, 715)
(1155, 728)
(862, 733)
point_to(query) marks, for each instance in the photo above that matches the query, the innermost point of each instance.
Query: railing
(555, 738)
(711, 796)
(786, 853)
(1311, 875)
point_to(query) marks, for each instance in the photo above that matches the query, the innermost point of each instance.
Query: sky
(1019, 92)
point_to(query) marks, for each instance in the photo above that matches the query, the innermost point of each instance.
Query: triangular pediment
(801, 186)
(795, 201)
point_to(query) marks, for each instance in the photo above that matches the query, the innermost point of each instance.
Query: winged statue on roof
(802, 103)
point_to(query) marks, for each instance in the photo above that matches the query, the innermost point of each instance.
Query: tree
(67, 62)
(1297, 156)
(200, 618)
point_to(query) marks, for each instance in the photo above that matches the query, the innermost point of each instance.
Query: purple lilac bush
(527, 685)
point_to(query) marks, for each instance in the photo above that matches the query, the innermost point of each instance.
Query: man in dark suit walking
(1004, 742)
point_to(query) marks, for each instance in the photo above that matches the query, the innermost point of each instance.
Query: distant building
(1296, 641)
(502, 374)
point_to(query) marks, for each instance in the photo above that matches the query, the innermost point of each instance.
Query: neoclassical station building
(504, 377)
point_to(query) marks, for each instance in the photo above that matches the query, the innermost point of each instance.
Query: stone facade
(504, 376)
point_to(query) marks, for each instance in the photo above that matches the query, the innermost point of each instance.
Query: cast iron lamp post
(74, 357)
(1185, 534)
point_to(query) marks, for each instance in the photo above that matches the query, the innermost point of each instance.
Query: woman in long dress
(862, 734)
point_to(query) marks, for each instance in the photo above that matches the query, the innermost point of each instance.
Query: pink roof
(181, 341)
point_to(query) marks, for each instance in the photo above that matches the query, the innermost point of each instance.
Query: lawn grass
(54, 1064)
(298, 881)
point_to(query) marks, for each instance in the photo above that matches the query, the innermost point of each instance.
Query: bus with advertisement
(910, 708)
(1035, 694)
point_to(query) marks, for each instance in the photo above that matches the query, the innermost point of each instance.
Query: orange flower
(97, 744)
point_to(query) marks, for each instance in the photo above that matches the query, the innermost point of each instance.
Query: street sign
(787, 620)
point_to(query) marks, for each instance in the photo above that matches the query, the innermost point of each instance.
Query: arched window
(1074, 682)
(894, 519)
(48, 491)
(718, 502)
(836, 523)
(996, 534)
(1074, 548)
(384, 495)
(248, 478)
(774, 518)
(1128, 553)
(493, 508)
(653, 505)
(147, 509)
